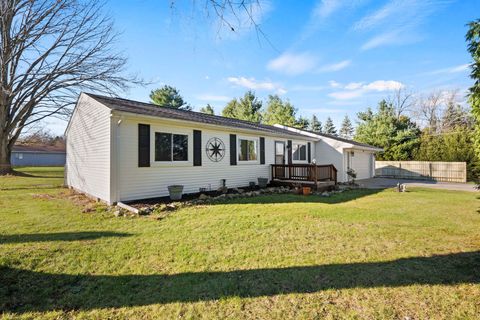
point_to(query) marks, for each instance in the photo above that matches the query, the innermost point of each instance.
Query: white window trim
(257, 148)
(302, 143)
(171, 163)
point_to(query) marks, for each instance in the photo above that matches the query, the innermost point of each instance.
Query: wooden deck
(317, 176)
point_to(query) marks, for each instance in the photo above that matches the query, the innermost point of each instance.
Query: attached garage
(362, 161)
(342, 153)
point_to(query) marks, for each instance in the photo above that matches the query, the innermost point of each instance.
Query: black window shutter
(289, 150)
(143, 145)
(262, 150)
(233, 149)
(309, 152)
(197, 148)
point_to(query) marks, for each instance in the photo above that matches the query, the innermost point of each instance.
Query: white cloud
(253, 84)
(324, 8)
(335, 66)
(397, 21)
(334, 84)
(353, 85)
(212, 97)
(293, 63)
(382, 85)
(454, 69)
(356, 89)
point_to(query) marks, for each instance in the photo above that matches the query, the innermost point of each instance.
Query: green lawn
(360, 254)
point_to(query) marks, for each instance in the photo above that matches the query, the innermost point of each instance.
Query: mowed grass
(360, 254)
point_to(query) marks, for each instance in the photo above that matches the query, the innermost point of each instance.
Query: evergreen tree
(247, 108)
(330, 127)
(347, 130)
(208, 110)
(473, 39)
(398, 136)
(279, 112)
(315, 125)
(168, 96)
(302, 123)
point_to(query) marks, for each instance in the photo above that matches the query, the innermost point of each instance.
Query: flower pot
(307, 191)
(262, 182)
(175, 192)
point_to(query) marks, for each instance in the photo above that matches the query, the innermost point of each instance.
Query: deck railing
(304, 172)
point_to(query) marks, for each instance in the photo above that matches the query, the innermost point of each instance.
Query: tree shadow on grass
(43, 174)
(294, 198)
(59, 236)
(24, 290)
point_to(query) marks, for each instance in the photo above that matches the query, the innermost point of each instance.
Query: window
(171, 147)
(299, 152)
(20, 156)
(247, 150)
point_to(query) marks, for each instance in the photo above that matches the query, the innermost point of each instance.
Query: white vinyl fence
(425, 170)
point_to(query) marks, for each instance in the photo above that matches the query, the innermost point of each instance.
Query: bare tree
(428, 110)
(403, 101)
(50, 51)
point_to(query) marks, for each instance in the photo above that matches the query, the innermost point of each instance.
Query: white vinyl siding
(88, 160)
(329, 151)
(148, 182)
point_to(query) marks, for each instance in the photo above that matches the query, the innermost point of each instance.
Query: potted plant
(352, 175)
(298, 188)
(262, 182)
(307, 191)
(175, 192)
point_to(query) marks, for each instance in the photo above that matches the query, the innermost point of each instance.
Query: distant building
(38, 155)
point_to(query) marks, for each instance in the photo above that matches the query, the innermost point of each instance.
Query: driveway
(382, 183)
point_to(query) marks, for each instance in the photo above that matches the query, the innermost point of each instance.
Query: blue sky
(328, 57)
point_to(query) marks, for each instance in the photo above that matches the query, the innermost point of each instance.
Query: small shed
(38, 155)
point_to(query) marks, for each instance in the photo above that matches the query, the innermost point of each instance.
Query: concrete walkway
(383, 183)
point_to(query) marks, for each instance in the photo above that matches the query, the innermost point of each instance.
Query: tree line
(249, 107)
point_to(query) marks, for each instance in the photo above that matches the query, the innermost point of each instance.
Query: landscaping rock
(171, 207)
(240, 191)
(204, 197)
(325, 194)
(117, 213)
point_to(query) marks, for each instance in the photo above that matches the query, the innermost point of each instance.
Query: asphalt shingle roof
(149, 109)
(343, 140)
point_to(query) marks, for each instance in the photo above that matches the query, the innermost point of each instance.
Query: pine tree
(302, 123)
(315, 125)
(168, 96)
(247, 108)
(208, 110)
(473, 39)
(347, 130)
(330, 127)
(279, 112)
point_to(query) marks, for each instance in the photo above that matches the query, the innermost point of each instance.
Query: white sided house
(342, 153)
(122, 150)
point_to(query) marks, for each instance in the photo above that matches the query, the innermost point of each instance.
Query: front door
(280, 158)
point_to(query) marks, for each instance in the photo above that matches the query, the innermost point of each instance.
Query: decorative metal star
(215, 149)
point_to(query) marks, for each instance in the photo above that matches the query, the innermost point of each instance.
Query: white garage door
(362, 163)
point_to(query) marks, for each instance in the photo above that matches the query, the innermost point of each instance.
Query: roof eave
(265, 133)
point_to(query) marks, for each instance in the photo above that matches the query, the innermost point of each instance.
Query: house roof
(355, 143)
(136, 107)
(38, 148)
